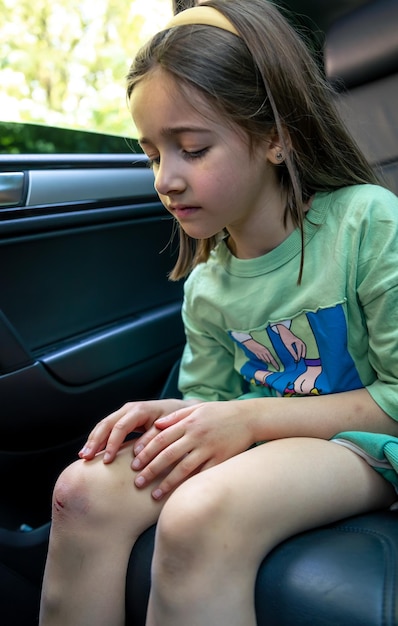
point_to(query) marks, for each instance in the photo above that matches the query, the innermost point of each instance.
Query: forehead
(159, 96)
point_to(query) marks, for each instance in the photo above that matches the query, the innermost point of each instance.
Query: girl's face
(205, 174)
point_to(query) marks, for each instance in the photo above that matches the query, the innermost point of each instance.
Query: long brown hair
(264, 81)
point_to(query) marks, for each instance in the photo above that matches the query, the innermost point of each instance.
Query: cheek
(228, 190)
(222, 182)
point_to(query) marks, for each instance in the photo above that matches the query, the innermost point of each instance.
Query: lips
(181, 210)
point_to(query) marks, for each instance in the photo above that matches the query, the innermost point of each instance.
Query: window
(63, 66)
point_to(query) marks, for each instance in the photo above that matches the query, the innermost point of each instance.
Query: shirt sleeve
(207, 366)
(377, 289)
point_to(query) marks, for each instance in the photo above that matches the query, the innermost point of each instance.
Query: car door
(88, 317)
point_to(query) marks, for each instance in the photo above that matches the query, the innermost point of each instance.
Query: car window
(62, 72)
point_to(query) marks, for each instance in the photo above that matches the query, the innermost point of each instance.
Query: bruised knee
(71, 495)
(98, 496)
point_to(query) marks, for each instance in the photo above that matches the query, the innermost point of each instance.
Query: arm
(319, 416)
(204, 435)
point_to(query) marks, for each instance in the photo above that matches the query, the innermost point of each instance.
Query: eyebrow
(177, 130)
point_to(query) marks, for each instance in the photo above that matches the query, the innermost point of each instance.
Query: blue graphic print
(306, 355)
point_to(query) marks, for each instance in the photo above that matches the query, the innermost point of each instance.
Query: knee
(190, 526)
(72, 499)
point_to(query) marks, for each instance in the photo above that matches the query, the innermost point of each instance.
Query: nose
(169, 178)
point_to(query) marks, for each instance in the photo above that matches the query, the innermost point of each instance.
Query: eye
(195, 154)
(153, 161)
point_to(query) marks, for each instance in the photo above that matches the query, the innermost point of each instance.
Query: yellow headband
(208, 16)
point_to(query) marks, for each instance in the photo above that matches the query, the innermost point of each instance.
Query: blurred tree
(17, 138)
(63, 62)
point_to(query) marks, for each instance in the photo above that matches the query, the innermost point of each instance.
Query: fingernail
(140, 481)
(84, 451)
(138, 448)
(136, 464)
(107, 457)
(157, 494)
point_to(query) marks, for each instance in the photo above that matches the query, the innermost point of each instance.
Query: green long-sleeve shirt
(252, 329)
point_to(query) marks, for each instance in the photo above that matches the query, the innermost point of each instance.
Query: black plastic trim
(117, 347)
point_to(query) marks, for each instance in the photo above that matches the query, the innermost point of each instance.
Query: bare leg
(98, 514)
(217, 527)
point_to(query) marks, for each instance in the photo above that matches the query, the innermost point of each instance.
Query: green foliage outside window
(63, 63)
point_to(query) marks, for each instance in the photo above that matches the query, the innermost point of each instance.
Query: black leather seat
(361, 61)
(340, 575)
(345, 574)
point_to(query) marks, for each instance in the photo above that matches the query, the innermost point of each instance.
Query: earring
(279, 156)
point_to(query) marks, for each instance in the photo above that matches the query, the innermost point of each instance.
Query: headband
(208, 16)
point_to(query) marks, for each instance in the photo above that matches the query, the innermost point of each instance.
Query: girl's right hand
(110, 433)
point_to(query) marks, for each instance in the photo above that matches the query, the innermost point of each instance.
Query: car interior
(89, 320)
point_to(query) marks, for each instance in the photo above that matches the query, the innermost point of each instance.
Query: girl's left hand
(190, 440)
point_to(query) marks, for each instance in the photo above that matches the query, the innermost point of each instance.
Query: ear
(277, 148)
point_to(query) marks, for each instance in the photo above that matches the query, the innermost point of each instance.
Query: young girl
(290, 316)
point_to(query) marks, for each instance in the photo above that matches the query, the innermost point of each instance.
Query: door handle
(11, 188)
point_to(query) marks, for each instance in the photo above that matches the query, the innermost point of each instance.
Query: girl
(289, 309)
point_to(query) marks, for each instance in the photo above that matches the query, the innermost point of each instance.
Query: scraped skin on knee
(67, 501)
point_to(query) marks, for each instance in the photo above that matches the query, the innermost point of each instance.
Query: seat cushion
(344, 574)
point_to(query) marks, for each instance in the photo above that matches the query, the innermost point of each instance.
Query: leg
(98, 514)
(216, 528)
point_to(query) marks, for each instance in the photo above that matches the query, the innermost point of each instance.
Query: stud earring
(279, 156)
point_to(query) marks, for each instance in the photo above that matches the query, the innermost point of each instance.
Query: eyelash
(196, 154)
(189, 156)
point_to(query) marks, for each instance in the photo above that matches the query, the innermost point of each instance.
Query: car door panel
(78, 278)
(88, 317)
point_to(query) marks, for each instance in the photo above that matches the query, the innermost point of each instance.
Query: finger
(160, 443)
(273, 362)
(160, 424)
(295, 351)
(98, 437)
(301, 350)
(123, 427)
(110, 432)
(90, 449)
(158, 457)
(176, 416)
(142, 441)
(189, 465)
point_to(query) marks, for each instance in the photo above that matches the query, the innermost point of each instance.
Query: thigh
(283, 487)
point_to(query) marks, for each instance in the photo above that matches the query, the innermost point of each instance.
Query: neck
(260, 235)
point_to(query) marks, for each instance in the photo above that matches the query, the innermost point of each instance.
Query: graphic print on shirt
(301, 356)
